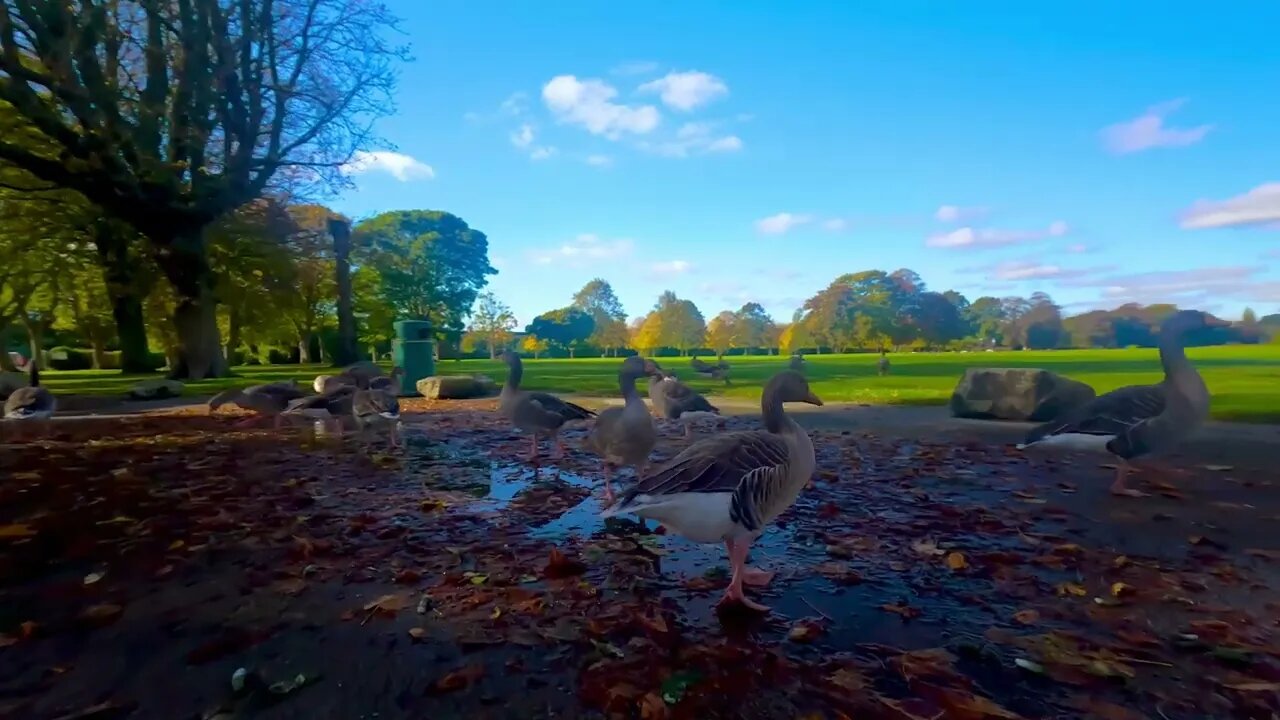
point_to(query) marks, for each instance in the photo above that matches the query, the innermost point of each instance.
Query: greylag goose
(882, 365)
(377, 407)
(1137, 420)
(537, 413)
(719, 371)
(325, 384)
(797, 362)
(266, 400)
(388, 382)
(729, 487)
(333, 405)
(625, 435)
(673, 400)
(358, 374)
(32, 402)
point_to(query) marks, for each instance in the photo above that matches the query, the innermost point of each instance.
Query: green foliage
(431, 265)
(65, 358)
(681, 325)
(492, 322)
(565, 328)
(598, 299)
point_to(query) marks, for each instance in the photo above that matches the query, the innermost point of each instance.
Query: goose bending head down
(537, 413)
(1138, 420)
(729, 487)
(377, 407)
(625, 435)
(268, 400)
(333, 405)
(673, 400)
(33, 402)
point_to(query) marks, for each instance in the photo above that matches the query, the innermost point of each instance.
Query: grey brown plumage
(377, 407)
(537, 413)
(267, 399)
(729, 487)
(625, 435)
(674, 400)
(1138, 420)
(33, 402)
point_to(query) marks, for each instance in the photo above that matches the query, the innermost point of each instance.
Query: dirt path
(930, 571)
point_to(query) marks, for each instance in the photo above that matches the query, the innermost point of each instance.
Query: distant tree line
(857, 312)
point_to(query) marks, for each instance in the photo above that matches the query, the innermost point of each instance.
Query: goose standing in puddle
(625, 435)
(729, 487)
(537, 413)
(1138, 420)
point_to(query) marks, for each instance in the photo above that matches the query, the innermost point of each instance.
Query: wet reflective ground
(143, 562)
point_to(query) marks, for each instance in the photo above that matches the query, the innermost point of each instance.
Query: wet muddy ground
(144, 561)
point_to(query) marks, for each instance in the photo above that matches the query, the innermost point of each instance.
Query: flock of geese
(728, 486)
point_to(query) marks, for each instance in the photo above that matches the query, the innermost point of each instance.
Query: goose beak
(813, 399)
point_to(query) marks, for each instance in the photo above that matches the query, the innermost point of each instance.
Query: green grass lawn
(1244, 380)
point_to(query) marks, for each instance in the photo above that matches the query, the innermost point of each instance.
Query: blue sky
(735, 151)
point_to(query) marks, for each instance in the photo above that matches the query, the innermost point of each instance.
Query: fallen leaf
(1218, 468)
(1026, 617)
(1070, 588)
(93, 577)
(560, 566)
(460, 679)
(417, 633)
(838, 572)
(848, 679)
(7, 640)
(388, 604)
(674, 687)
(102, 614)
(16, 531)
(653, 708)
(290, 586)
(1120, 589)
(1268, 554)
(927, 547)
(805, 631)
(957, 561)
(906, 611)
(965, 705)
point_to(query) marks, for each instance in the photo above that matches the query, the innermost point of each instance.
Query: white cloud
(1259, 206)
(1197, 287)
(638, 67)
(685, 91)
(584, 250)
(404, 168)
(956, 213)
(671, 267)
(1148, 131)
(1022, 270)
(694, 138)
(781, 223)
(542, 153)
(835, 224)
(599, 160)
(522, 137)
(1078, 248)
(990, 237)
(517, 103)
(589, 103)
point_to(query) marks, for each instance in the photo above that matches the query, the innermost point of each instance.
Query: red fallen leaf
(931, 662)
(838, 572)
(460, 679)
(905, 611)
(388, 604)
(956, 561)
(1138, 637)
(700, 583)
(560, 566)
(1103, 710)
(1253, 686)
(828, 510)
(657, 624)
(27, 630)
(290, 586)
(653, 708)
(965, 706)
(407, 576)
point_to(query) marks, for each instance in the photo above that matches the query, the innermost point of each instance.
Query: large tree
(492, 322)
(755, 328)
(431, 264)
(723, 332)
(597, 298)
(682, 325)
(168, 115)
(566, 328)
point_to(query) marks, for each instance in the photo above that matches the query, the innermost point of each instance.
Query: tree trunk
(35, 341)
(570, 352)
(304, 348)
(344, 352)
(233, 334)
(6, 362)
(99, 353)
(120, 273)
(131, 328)
(186, 263)
(493, 351)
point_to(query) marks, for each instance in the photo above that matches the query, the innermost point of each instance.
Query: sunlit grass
(1244, 380)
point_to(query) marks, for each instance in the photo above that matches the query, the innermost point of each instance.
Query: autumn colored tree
(533, 345)
(598, 299)
(722, 332)
(492, 322)
(168, 116)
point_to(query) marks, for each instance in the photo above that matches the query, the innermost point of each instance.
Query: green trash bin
(413, 350)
